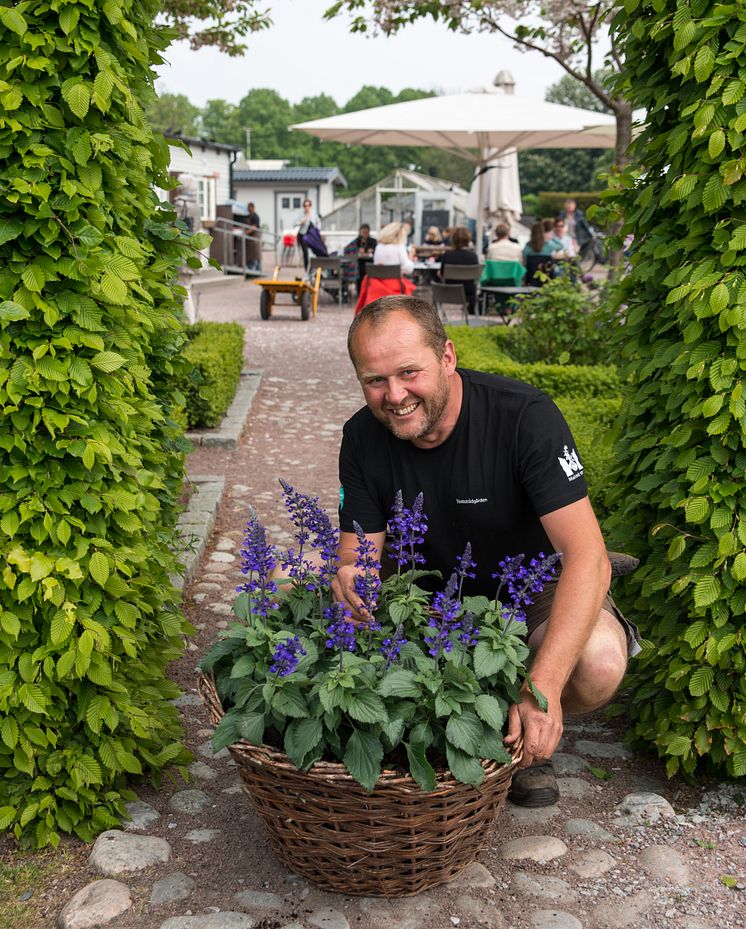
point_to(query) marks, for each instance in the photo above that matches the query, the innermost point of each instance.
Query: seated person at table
(363, 246)
(447, 233)
(433, 236)
(540, 242)
(564, 240)
(461, 253)
(392, 248)
(501, 248)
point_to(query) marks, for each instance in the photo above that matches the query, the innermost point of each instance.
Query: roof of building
(191, 141)
(293, 175)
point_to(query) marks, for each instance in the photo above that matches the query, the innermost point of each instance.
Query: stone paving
(194, 856)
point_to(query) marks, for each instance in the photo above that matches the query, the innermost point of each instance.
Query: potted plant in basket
(399, 721)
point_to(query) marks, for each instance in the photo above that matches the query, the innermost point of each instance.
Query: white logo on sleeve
(571, 464)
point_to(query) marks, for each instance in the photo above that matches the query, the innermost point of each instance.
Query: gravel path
(623, 847)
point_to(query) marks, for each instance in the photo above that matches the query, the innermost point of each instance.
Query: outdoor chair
(444, 295)
(538, 264)
(332, 280)
(452, 274)
(383, 272)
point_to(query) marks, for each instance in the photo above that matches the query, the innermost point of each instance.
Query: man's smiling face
(406, 385)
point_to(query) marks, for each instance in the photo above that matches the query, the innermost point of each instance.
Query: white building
(211, 164)
(278, 191)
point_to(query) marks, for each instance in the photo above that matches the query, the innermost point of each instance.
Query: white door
(288, 206)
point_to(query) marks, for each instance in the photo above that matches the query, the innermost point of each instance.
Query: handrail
(226, 231)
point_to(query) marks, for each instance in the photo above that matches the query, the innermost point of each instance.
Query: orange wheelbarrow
(302, 292)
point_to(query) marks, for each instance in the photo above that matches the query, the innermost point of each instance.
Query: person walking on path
(499, 469)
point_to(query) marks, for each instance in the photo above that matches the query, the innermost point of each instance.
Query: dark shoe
(534, 786)
(622, 564)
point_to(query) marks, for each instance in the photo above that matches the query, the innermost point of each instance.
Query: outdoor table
(425, 272)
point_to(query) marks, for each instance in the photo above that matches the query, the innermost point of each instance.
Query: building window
(296, 203)
(207, 194)
(286, 203)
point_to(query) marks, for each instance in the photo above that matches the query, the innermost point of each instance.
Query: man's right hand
(343, 591)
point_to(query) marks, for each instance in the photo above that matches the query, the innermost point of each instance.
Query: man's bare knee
(600, 668)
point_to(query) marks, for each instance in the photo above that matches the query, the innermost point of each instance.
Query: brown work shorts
(539, 610)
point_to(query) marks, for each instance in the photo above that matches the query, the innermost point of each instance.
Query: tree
(220, 122)
(679, 484)
(569, 91)
(173, 113)
(565, 31)
(91, 457)
(227, 22)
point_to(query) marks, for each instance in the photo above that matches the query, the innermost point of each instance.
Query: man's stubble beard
(433, 409)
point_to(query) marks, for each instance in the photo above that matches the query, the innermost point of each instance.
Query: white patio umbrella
(478, 126)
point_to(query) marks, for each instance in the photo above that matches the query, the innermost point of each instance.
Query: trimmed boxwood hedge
(215, 353)
(487, 349)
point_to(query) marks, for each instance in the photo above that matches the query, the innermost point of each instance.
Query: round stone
(470, 912)
(95, 904)
(614, 750)
(565, 763)
(224, 557)
(117, 852)
(202, 772)
(223, 920)
(222, 609)
(665, 863)
(543, 886)
(225, 544)
(171, 889)
(205, 749)
(532, 847)
(574, 788)
(187, 700)
(592, 863)
(140, 814)
(645, 807)
(531, 816)
(629, 912)
(209, 586)
(588, 828)
(200, 836)
(554, 919)
(473, 875)
(328, 919)
(259, 900)
(189, 801)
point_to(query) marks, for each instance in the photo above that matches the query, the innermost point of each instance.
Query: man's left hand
(541, 731)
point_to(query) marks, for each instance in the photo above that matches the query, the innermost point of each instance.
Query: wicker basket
(392, 842)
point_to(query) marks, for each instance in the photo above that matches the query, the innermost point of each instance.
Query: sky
(303, 55)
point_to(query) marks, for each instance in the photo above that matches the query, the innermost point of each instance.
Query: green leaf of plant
(9, 732)
(69, 17)
(493, 748)
(107, 361)
(464, 767)
(289, 701)
(251, 727)
(489, 711)
(301, 737)
(34, 278)
(487, 661)
(600, 773)
(362, 758)
(537, 695)
(98, 568)
(77, 96)
(365, 706)
(9, 523)
(465, 732)
(399, 683)
(419, 767)
(701, 681)
(10, 228)
(12, 19)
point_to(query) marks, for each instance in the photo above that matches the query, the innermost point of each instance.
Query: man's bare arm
(584, 581)
(342, 585)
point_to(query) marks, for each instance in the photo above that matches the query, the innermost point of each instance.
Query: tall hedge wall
(90, 459)
(681, 458)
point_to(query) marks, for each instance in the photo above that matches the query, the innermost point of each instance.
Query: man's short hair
(502, 231)
(421, 311)
(364, 226)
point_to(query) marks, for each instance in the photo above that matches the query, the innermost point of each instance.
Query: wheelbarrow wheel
(265, 304)
(305, 305)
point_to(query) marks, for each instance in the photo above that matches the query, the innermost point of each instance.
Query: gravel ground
(656, 871)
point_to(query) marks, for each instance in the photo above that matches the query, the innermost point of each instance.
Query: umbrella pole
(480, 211)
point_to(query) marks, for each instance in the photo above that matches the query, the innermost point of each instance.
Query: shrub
(483, 350)
(562, 321)
(592, 424)
(680, 453)
(91, 460)
(215, 353)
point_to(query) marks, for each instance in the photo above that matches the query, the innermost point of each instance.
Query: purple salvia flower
(522, 581)
(390, 647)
(309, 520)
(407, 528)
(367, 582)
(464, 566)
(469, 633)
(447, 607)
(258, 561)
(340, 631)
(286, 656)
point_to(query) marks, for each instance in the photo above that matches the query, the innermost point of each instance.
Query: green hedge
(591, 423)
(215, 355)
(486, 349)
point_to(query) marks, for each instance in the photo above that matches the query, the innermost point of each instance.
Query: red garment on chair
(374, 287)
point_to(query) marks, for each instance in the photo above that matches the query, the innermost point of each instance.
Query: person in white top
(502, 249)
(392, 248)
(304, 221)
(561, 234)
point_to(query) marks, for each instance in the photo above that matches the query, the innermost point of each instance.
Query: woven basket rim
(336, 771)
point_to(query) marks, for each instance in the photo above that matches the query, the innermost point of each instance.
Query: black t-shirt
(510, 459)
